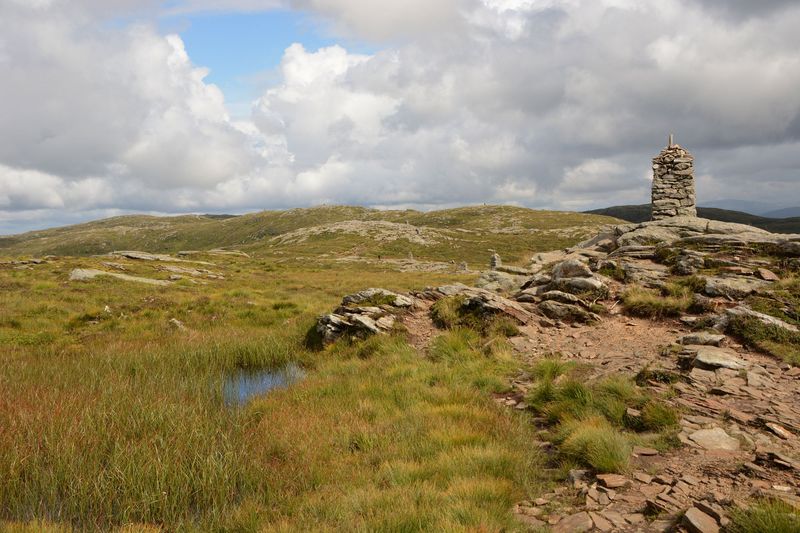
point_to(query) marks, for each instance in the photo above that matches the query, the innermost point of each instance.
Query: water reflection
(243, 385)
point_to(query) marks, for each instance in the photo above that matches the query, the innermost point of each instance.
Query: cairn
(673, 183)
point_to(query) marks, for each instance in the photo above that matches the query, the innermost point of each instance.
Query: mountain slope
(461, 234)
(641, 213)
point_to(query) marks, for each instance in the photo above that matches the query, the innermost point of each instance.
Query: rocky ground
(739, 420)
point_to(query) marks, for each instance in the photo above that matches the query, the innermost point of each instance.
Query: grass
(110, 416)
(463, 234)
(597, 423)
(766, 515)
(674, 299)
(771, 339)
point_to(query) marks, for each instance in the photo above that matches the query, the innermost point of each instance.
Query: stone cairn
(673, 183)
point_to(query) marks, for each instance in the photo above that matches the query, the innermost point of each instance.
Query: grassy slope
(466, 234)
(641, 213)
(117, 417)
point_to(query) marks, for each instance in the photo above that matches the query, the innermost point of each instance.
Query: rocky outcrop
(86, 274)
(369, 312)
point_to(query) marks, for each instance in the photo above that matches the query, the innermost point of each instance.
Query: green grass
(452, 312)
(647, 303)
(768, 338)
(766, 515)
(463, 234)
(115, 417)
(590, 420)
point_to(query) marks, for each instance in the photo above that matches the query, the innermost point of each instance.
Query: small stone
(612, 481)
(696, 521)
(643, 478)
(645, 452)
(768, 275)
(778, 430)
(576, 523)
(634, 518)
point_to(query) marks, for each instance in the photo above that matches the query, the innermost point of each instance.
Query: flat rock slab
(714, 439)
(696, 521)
(576, 523)
(736, 288)
(711, 358)
(86, 274)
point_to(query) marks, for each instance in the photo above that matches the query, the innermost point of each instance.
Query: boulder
(567, 312)
(711, 358)
(495, 280)
(578, 285)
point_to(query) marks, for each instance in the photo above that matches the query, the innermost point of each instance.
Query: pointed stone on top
(671, 140)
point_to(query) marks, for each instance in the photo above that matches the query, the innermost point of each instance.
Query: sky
(110, 107)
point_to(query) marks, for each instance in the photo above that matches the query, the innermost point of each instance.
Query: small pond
(243, 385)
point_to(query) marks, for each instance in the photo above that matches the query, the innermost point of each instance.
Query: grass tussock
(673, 300)
(597, 423)
(767, 515)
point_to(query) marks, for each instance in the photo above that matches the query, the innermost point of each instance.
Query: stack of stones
(673, 183)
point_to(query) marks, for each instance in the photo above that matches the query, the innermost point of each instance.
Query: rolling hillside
(641, 213)
(461, 234)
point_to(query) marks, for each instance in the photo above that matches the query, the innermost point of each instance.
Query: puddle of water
(243, 385)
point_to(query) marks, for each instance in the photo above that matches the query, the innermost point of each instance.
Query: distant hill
(784, 213)
(641, 213)
(462, 234)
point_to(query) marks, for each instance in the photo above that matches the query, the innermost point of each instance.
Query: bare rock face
(673, 183)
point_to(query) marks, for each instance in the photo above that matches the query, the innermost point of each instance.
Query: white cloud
(547, 103)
